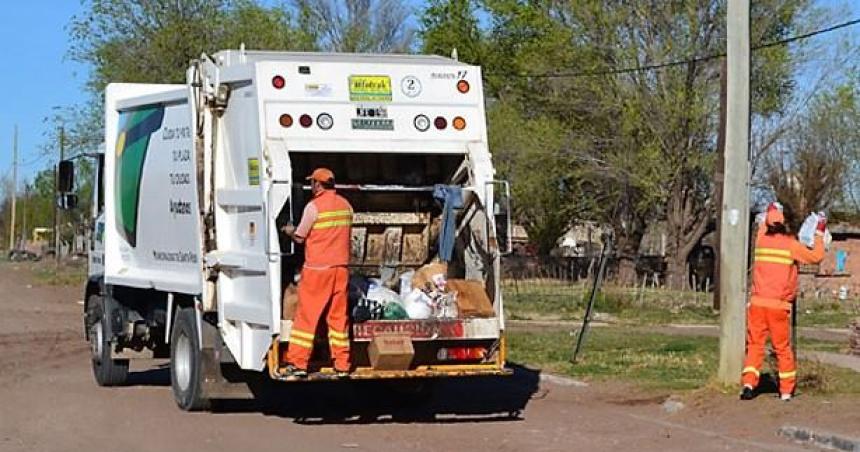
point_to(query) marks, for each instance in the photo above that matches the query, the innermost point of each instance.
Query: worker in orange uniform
(325, 231)
(774, 285)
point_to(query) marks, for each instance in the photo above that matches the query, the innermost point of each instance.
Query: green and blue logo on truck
(135, 130)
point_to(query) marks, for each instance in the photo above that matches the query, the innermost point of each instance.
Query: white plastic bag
(417, 305)
(406, 283)
(806, 235)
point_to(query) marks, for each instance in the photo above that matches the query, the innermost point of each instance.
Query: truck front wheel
(108, 372)
(186, 374)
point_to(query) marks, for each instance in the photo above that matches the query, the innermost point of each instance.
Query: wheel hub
(97, 341)
(182, 362)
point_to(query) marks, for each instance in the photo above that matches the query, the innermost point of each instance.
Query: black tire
(186, 376)
(108, 372)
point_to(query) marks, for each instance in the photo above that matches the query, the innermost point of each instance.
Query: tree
(377, 26)
(452, 24)
(810, 167)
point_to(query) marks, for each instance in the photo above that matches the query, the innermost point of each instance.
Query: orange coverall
(325, 227)
(774, 285)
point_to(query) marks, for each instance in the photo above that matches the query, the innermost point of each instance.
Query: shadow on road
(472, 399)
(450, 400)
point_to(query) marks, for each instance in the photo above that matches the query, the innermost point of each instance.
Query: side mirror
(67, 201)
(66, 177)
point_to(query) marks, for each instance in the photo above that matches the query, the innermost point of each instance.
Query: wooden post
(734, 225)
(14, 188)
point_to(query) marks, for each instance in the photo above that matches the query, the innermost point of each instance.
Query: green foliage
(452, 24)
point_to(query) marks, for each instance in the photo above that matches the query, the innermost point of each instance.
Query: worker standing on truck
(774, 286)
(325, 231)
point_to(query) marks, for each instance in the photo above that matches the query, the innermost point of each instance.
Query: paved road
(50, 403)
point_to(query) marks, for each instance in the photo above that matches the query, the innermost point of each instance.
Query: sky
(37, 75)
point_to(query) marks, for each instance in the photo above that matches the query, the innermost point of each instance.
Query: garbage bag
(417, 305)
(806, 235)
(406, 283)
(394, 311)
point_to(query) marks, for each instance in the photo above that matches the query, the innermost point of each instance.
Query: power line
(657, 66)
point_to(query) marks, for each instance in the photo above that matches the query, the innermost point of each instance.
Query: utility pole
(734, 224)
(56, 197)
(719, 175)
(14, 187)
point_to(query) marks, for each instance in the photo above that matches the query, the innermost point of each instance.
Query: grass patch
(542, 300)
(653, 361)
(827, 313)
(657, 361)
(549, 299)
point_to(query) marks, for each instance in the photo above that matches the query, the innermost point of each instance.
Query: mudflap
(222, 378)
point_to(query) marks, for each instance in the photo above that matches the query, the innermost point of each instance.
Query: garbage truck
(188, 260)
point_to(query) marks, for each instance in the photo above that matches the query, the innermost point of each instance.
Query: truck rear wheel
(186, 374)
(108, 372)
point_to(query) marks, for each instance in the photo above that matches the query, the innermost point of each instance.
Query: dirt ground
(51, 403)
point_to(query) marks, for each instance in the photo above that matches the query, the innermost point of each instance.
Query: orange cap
(321, 175)
(774, 216)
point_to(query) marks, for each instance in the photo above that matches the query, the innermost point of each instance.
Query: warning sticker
(253, 171)
(370, 88)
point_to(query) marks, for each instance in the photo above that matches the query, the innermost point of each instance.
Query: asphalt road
(50, 402)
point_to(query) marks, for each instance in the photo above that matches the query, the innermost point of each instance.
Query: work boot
(294, 372)
(747, 393)
(785, 397)
(341, 374)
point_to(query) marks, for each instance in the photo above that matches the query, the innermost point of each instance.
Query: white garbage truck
(188, 260)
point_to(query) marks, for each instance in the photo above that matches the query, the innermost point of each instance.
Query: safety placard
(369, 88)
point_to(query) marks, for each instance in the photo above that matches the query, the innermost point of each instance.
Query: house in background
(839, 274)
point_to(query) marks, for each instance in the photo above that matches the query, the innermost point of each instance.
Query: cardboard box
(472, 299)
(391, 352)
(289, 302)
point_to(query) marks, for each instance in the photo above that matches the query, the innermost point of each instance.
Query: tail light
(422, 123)
(463, 86)
(440, 123)
(459, 123)
(285, 120)
(325, 121)
(278, 82)
(306, 121)
(461, 353)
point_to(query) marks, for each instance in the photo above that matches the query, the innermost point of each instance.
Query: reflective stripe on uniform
(331, 224)
(302, 334)
(301, 342)
(338, 334)
(334, 213)
(774, 260)
(788, 375)
(751, 370)
(774, 256)
(338, 339)
(338, 342)
(773, 252)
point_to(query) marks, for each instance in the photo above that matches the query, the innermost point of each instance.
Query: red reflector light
(463, 86)
(306, 121)
(440, 123)
(459, 123)
(278, 82)
(285, 120)
(461, 353)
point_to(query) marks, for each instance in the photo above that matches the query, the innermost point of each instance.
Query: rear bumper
(366, 373)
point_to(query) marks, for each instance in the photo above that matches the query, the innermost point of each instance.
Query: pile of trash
(423, 294)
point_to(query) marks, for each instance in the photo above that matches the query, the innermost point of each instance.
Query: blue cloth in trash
(451, 197)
